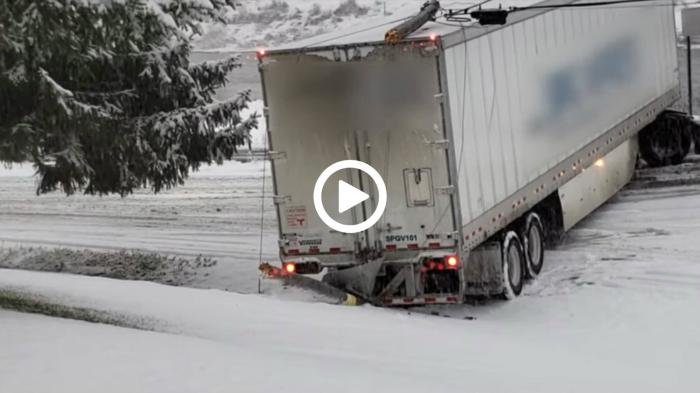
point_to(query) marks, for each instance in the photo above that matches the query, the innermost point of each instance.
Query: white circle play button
(349, 196)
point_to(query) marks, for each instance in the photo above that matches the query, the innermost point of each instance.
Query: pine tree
(100, 96)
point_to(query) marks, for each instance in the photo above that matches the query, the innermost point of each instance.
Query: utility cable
(262, 209)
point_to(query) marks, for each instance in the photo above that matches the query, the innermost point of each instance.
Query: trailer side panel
(531, 95)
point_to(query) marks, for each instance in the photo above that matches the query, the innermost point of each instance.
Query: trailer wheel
(533, 239)
(513, 265)
(695, 132)
(667, 140)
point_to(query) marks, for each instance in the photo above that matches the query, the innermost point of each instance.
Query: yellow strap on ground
(351, 300)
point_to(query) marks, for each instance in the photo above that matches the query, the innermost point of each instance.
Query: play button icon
(350, 196)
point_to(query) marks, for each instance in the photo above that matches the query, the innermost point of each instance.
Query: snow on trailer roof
(367, 34)
(373, 31)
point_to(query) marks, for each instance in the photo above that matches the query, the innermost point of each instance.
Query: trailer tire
(666, 141)
(533, 245)
(695, 133)
(513, 260)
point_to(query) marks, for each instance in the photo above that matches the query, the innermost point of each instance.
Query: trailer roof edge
(472, 32)
(462, 34)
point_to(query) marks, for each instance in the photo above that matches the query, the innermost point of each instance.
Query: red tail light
(448, 262)
(290, 267)
(452, 261)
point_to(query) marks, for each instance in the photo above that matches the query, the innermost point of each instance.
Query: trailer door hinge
(447, 190)
(281, 199)
(439, 97)
(441, 144)
(277, 155)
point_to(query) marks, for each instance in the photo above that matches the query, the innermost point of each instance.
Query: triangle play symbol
(349, 196)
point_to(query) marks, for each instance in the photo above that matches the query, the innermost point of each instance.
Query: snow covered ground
(615, 308)
(269, 23)
(598, 320)
(642, 337)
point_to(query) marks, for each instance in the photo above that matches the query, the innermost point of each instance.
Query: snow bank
(42, 354)
(600, 340)
(127, 265)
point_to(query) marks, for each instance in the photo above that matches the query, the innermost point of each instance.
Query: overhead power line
(576, 5)
(499, 16)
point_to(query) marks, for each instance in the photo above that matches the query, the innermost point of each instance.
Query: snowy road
(217, 213)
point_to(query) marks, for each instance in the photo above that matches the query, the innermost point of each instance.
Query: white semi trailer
(488, 138)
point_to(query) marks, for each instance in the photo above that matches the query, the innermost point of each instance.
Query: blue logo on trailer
(569, 88)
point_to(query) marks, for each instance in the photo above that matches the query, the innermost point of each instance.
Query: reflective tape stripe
(422, 300)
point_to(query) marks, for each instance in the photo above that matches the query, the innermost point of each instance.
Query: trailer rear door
(402, 137)
(381, 106)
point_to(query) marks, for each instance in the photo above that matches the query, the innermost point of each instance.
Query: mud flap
(483, 274)
(358, 280)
